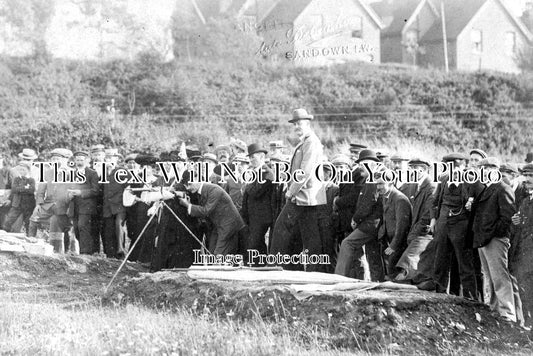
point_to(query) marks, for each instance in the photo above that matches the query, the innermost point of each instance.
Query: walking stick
(130, 251)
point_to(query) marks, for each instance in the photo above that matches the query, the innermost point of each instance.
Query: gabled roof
(287, 11)
(397, 12)
(458, 13)
(236, 6)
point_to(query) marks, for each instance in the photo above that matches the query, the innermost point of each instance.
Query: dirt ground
(380, 320)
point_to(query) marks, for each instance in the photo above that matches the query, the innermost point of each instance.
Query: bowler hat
(368, 155)
(300, 114)
(479, 152)
(490, 162)
(529, 157)
(146, 160)
(28, 154)
(254, 148)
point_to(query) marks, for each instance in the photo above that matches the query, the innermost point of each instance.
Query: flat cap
(479, 152)
(276, 144)
(490, 162)
(190, 152)
(239, 157)
(210, 157)
(341, 159)
(509, 167)
(97, 148)
(454, 156)
(527, 169)
(24, 164)
(61, 152)
(399, 157)
(357, 147)
(131, 157)
(81, 153)
(110, 152)
(419, 162)
(326, 165)
(222, 148)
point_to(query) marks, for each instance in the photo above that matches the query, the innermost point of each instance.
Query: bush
(157, 105)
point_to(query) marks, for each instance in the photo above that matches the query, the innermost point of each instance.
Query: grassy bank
(48, 329)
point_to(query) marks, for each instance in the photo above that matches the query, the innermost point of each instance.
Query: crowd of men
(468, 239)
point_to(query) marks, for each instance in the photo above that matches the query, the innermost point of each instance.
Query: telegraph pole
(444, 37)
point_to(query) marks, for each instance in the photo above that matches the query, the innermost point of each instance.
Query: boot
(56, 240)
(32, 229)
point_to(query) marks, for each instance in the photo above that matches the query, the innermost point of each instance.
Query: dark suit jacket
(85, 204)
(113, 192)
(369, 210)
(347, 199)
(23, 197)
(257, 200)
(396, 219)
(216, 206)
(466, 192)
(422, 202)
(53, 197)
(495, 207)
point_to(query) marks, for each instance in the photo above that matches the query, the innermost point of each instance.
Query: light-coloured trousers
(411, 255)
(501, 292)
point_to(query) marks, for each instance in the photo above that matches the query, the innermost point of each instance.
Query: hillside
(150, 105)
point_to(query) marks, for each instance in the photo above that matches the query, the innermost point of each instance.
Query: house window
(510, 43)
(477, 40)
(411, 36)
(357, 32)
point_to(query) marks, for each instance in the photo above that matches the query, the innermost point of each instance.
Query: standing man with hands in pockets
(297, 227)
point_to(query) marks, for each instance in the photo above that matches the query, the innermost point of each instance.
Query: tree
(29, 19)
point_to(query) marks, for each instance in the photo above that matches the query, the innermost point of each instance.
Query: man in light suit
(216, 206)
(297, 227)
